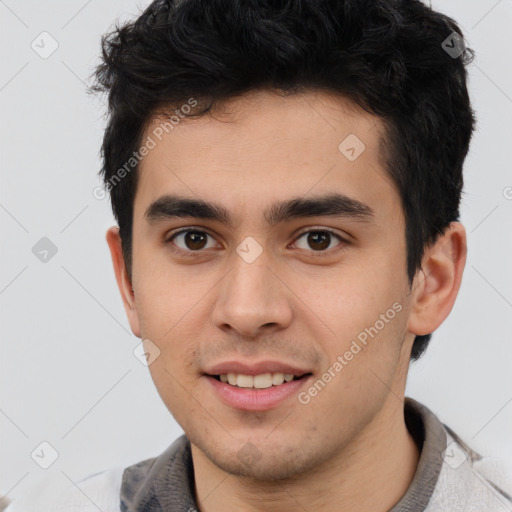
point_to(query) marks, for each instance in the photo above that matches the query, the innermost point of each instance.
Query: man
(286, 177)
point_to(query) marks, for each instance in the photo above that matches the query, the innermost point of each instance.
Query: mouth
(260, 381)
(256, 387)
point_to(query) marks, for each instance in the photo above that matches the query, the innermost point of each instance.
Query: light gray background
(68, 374)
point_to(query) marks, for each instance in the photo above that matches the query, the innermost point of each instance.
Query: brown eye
(318, 240)
(191, 240)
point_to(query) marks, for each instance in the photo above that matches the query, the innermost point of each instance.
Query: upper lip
(255, 368)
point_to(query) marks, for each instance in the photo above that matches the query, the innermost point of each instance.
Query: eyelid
(173, 233)
(322, 229)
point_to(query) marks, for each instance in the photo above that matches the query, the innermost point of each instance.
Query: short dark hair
(391, 57)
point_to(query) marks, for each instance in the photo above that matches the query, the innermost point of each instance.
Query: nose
(252, 299)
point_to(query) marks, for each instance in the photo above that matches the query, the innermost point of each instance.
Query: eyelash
(341, 247)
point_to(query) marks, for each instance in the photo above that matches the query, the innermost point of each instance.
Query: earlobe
(123, 281)
(437, 284)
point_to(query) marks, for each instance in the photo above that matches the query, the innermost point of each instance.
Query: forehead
(261, 148)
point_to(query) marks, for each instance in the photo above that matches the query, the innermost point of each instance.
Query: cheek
(353, 297)
(166, 299)
(175, 374)
(365, 313)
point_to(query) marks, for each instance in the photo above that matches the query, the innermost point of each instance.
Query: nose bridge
(250, 296)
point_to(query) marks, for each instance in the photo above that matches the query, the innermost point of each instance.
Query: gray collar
(430, 436)
(166, 483)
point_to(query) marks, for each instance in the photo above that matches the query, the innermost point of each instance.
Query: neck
(372, 473)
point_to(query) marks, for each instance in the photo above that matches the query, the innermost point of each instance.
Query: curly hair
(388, 56)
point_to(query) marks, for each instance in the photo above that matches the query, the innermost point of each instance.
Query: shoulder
(450, 474)
(58, 493)
(111, 490)
(469, 482)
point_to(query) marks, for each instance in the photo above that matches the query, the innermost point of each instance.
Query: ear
(436, 284)
(123, 280)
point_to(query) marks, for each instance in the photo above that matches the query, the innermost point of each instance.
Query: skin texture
(348, 447)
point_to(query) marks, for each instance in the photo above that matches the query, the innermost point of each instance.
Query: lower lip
(246, 399)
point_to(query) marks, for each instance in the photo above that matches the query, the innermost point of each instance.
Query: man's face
(270, 293)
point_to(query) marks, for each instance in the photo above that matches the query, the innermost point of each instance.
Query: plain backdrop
(68, 373)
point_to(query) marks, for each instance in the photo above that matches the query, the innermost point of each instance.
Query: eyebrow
(335, 205)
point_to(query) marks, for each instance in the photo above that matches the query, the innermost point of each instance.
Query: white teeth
(277, 378)
(262, 381)
(245, 381)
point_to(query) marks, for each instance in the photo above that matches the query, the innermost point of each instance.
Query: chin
(267, 463)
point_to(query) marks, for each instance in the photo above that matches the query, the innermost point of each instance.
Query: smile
(245, 395)
(262, 381)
